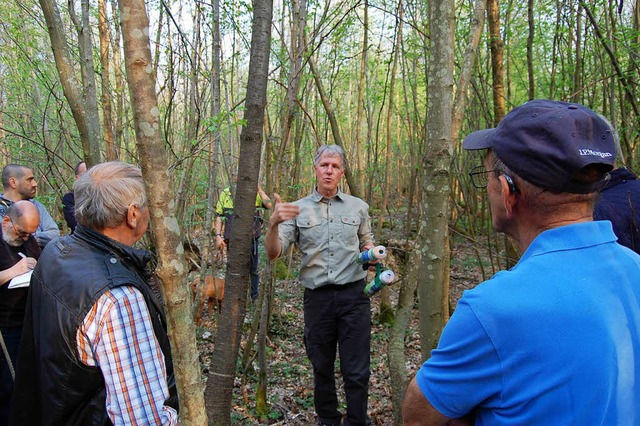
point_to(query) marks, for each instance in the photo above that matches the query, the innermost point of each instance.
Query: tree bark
(105, 76)
(432, 251)
(298, 24)
(335, 129)
(475, 32)
(220, 384)
(386, 311)
(576, 96)
(530, 37)
(497, 48)
(87, 127)
(172, 268)
(118, 92)
(362, 86)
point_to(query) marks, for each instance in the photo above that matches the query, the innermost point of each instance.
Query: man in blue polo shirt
(556, 339)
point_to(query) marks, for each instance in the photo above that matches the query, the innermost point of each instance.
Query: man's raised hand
(283, 211)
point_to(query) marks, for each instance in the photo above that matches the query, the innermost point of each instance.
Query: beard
(13, 242)
(27, 194)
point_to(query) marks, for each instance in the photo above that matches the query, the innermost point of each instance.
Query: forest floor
(290, 380)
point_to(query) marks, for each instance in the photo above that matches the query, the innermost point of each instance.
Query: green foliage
(281, 270)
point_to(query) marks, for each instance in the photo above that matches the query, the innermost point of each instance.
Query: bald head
(19, 222)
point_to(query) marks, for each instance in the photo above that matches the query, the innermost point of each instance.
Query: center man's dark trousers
(339, 315)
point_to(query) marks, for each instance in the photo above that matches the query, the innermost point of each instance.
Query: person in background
(18, 255)
(224, 222)
(68, 201)
(331, 228)
(619, 202)
(555, 340)
(20, 184)
(95, 348)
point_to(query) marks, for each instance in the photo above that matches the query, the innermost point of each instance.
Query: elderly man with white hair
(95, 348)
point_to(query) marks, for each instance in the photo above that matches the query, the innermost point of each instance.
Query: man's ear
(509, 195)
(133, 216)
(13, 182)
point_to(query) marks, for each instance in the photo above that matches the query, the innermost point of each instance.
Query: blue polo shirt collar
(569, 237)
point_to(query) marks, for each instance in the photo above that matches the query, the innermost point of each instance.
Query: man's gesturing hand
(283, 211)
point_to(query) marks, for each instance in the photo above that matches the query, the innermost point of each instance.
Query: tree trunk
(118, 91)
(432, 252)
(298, 24)
(386, 311)
(214, 142)
(396, 347)
(220, 384)
(335, 130)
(497, 48)
(389, 142)
(358, 167)
(576, 95)
(532, 88)
(172, 268)
(103, 32)
(475, 32)
(85, 47)
(192, 118)
(87, 128)
(262, 401)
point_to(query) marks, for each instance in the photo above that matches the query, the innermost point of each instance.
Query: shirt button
(113, 260)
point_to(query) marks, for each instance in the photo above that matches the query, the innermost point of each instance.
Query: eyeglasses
(23, 235)
(480, 176)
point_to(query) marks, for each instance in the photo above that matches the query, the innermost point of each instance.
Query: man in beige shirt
(330, 228)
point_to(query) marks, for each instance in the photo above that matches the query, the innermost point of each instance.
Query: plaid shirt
(117, 336)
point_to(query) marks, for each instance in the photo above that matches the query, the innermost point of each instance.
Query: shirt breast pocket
(310, 232)
(349, 228)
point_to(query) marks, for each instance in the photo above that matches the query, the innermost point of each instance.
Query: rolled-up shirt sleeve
(286, 234)
(365, 235)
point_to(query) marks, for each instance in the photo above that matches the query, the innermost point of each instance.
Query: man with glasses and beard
(18, 254)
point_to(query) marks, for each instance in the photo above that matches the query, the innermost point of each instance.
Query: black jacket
(620, 203)
(53, 387)
(14, 300)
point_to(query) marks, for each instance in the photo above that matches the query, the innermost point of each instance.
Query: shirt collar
(571, 237)
(317, 197)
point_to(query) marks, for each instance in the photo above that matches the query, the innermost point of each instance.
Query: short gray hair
(333, 151)
(104, 193)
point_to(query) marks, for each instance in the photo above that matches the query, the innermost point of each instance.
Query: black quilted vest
(53, 387)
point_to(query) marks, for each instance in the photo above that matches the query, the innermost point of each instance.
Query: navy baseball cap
(548, 142)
